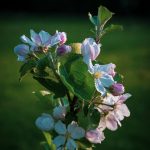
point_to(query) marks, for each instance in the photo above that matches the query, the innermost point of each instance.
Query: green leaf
(26, 67)
(119, 78)
(104, 15)
(57, 88)
(84, 144)
(111, 28)
(45, 145)
(45, 100)
(94, 19)
(75, 76)
(49, 140)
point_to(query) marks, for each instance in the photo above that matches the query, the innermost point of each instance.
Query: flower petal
(77, 132)
(45, 36)
(60, 128)
(95, 136)
(21, 49)
(125, 111)
(107, 80)
(26, 40)
(35, 38)
(59, 140)
(71, 145)
(99, 87)
(45, 122)
(111, 122)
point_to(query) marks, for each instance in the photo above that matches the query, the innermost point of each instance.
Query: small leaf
(119, 78)
(57, 88)
(49, 140)
(84, 144)
(94, 19)
(26, 67)
(75, 76)
(111, 28)
(104, 15)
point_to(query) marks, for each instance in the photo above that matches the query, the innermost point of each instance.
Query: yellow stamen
(98, 75)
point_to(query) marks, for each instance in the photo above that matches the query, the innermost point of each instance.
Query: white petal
(26, 40)
(45, 36)
(21, 49)
(111, 122)
(59, 140)
(102, 124)
(125, 111)
(124, 97)
(71, 145)
(95, 136)
(76, 132)
(60, 128)
(107, 80)
(35, 37)
(99, 87)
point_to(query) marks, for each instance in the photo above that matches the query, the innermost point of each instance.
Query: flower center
(98, 75)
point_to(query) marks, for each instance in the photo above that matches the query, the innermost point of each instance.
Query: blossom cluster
(78, 82)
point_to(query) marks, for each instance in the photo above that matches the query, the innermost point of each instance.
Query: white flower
(95, 136)
(114, 114)
(68, 135)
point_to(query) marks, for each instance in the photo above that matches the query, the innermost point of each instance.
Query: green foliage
(111, 28)
(104, 15)
(90, 116)
(94, 19)
(119, 78)
(48, 138)
(26, 67)
(84, 144)
(76, 78)
(57, 88)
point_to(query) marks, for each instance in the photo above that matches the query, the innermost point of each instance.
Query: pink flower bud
(63, 49)
(95, 136)
(90, 49)
(117, 89)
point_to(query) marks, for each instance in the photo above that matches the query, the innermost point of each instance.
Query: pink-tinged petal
(60, 128)
(63, 37)
(95, 136)
(102, 124)
(111, 122)
(125, 111)
(35, 38)
(118, 113)
(89, 49)
(124, 97)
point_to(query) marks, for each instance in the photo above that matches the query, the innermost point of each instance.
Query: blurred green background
(129, 50)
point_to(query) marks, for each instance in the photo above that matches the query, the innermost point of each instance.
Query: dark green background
(129, 50)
